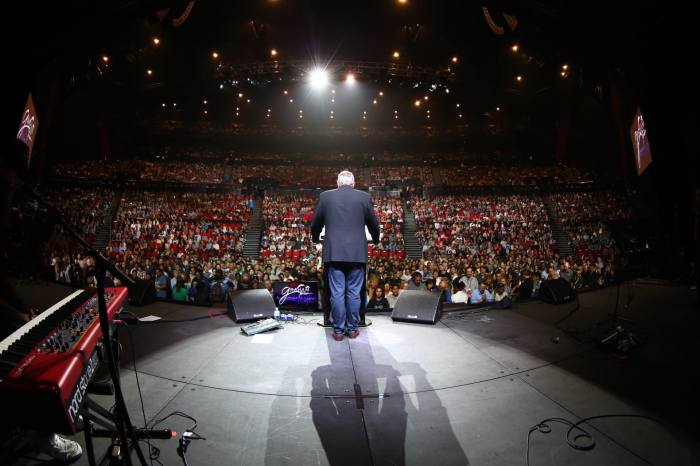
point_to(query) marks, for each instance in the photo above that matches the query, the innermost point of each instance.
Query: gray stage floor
(464, 391)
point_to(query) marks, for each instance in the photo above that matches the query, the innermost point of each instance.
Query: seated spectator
(415, 283)
(378, 301)
(393, 296)
(460, 296)
(180, 291)
(481, 295)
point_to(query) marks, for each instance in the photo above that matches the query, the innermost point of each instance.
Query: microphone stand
(123, 423)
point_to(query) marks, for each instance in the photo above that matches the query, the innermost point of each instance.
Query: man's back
(345, 212)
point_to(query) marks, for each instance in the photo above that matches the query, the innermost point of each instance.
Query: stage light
(349, 79)
(331, 117)
(285, 92)
(395, 112)
(238, 108)
(563, 74)
(236, 113)
(205, 112)
(374, 101)
(273, 53)
(240, 95)
(425, 97)
(332, 91)
(518, 78)
(215, 55)
(454, 59)
(427, 111)
(149, 72)
(205, 102)
(105, 58)
(156, 41)
(301, 116)
(221, 86)
(301, 111)
(396, 54)
(163, 105)
(514, 48)
(247, 101)
(396, 117)
(269, 110)
(460, 115)
(402, 2)
(498, 109)
(333, 100)
(381, 94)
(291, 101)
(457, 105)
(364, 117)
(417, 103)
(565, 67)
(447, 90)
(318, 78)
(174, 104)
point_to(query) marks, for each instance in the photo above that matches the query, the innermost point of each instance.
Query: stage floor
(464, 391)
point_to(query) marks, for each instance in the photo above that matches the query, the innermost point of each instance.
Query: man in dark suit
(345, 212)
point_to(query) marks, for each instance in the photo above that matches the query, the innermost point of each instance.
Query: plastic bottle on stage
(277, 314)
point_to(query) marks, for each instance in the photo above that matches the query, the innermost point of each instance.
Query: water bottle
(277, 314)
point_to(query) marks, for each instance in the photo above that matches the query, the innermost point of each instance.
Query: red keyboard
(46, 365)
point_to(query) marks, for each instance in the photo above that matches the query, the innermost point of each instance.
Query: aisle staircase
(251, 247)
(410, 243)
(558, 231)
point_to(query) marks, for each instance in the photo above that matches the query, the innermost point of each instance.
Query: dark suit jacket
(345, 212)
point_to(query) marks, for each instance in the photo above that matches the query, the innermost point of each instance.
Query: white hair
(346, 178)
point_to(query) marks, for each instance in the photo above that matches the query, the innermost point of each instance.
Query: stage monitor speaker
(417, 306)
(250, 305)
(556, 291)
(142, 292)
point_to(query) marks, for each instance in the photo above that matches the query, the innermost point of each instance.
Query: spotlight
(318, 78)
(163, 105)
(457, 105)
(454, 59)
(518, 78)
(221, 86)
(205, 112)
(105, 58)
(563, 74)
(396, 54)
(273, 53)
(291, 101)
(215, 55)
(285, 92)
(498, 109)
(514, 48)
(349, 79)
(247, 101)
(240, 95)
(425, 97)
(374, 101)
(417, 103)
(156, 41)
(174, 104)
(205, 102)
(381, 94)
(149, 72)
(565, 67)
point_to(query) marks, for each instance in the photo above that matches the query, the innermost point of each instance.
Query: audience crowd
(476, 248)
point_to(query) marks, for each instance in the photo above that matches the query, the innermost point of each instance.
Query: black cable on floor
(575, 442)
(151, 453)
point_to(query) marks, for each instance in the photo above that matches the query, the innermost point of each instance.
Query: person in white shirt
(393, 296)
(460, 296)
